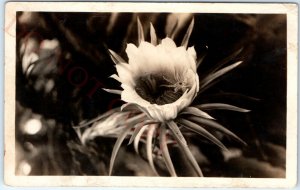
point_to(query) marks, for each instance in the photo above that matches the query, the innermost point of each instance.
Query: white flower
(161, 79)
(160, 82)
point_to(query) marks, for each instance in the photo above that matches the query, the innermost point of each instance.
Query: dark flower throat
(152, 89)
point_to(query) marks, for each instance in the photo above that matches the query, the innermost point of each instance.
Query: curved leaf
(134, 107)
(213, 106)
(184, 147)
(106, 114)
(137, 138)
(216, 126)
(165, 152)
(150, 134)
(175, 130)
(138, 127)
(132, 120)
(117, 147)
(140, 31)
(201, 131)
(201, 58)
(173, 30)
(113, 91)
(196, 111)
(115, 57)
(225, 60)
(153, 35)
(217, 74)
(187, 35)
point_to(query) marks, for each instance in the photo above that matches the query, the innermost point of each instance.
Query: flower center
(158, 89)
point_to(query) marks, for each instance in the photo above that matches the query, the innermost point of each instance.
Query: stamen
(159, 89)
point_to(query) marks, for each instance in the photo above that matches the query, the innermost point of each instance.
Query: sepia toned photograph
(160, 94)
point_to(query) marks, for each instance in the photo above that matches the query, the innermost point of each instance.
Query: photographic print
(150, 94)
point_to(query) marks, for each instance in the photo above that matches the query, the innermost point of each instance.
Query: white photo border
(290, 9)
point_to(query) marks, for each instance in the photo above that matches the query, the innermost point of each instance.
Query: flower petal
(168, 44)
(130, 95)
(125, 74)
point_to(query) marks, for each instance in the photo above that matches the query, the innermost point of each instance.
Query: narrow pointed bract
(138, 127)
(115, 57)
(165, 151)
(184, 147)
(197, 112)
(117, 147)
(187, 35)
(201, 57)
(217, 74)
(114, 76)
(138, 137)
(140, 31)
(200, 130)
(134, 107)
(221, 106)
(107, 114)
(176, 131)
(132, 120)
(153, 35)
(215, 125)
(173, 30)
(150, 134)
(227, 59)
(113, 91)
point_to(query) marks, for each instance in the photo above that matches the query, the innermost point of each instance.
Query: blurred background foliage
(62, 64)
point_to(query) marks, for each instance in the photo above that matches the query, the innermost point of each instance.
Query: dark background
(259, 84)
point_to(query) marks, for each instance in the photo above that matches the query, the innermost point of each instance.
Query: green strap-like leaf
(216, 126)
(184, 147)
(221, 106)
(201, 131)
(165, 152)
